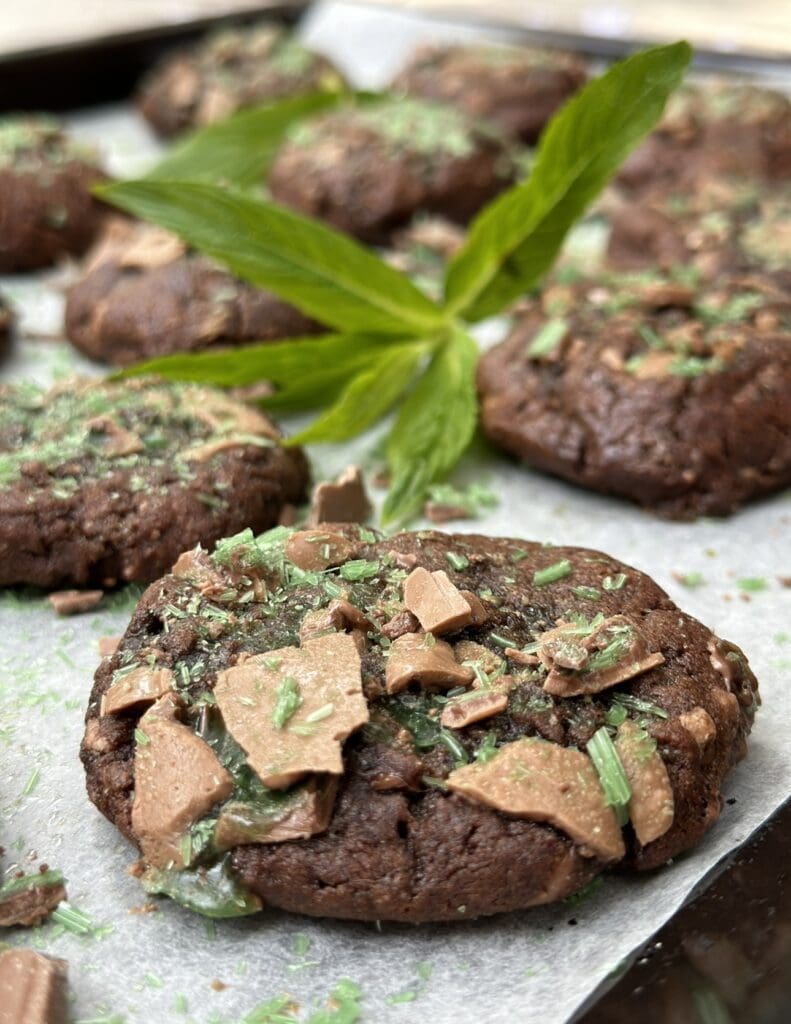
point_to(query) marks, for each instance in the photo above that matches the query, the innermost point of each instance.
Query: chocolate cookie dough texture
(713, 130)
(46, 207)
(518, 88)
(367, 170)
(229, 70)
(667, 393)
(725, 226)
(105, 482)
(143, 294)
(421, 727)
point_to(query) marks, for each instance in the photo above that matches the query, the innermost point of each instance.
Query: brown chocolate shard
(32, 988)
(107, 645)
(344, 501)
(651, 803)
(419, 658)
(143, 685)
(479, 613)
(317, 550)
(439, 513)
(700, 724)
(177, 780)
(469, 650)
(582, 663)
(339, 616)
(402, 622)
(473, 707)
(75, 602)
(303, 814)
(543, 781)
(437, 603)
(30, 905)
(325, 677)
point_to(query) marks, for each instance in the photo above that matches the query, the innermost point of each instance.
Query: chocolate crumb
(344, 501)
(75, 602)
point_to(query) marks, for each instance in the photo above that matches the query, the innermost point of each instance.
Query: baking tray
(540, 965)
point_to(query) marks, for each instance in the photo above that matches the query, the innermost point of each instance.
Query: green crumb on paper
(752, 584)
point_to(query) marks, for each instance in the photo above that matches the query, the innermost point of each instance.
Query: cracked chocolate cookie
(713, 130)
(519, 88)
(143, 294)
(368, 170)
(672, 394)
(228, 70)
(46, 207)
(417, 728)
(724, 226)
(105, 482)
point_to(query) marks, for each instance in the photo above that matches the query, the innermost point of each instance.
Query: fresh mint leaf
(307, 372)
(367, 397)
(324, 273)
(240, 149)
(515, 239)
(433, 427)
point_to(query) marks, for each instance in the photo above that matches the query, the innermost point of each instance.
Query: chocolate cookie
(367, 170)
(519, 88)
(228, 70)
(417, 728)
(6, 327)
(725, 226)
(672, 395)
(46, 208)
(713, 130)
(144, 295)
(103, 482)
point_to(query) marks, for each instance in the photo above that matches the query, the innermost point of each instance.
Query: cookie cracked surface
(430, 815)
(104, 482)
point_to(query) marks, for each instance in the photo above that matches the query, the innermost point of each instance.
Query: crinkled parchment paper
(536, 966)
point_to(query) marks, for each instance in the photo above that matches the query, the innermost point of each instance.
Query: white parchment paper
(538, 966)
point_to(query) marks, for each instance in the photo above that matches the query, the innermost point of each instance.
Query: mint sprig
(386, 329)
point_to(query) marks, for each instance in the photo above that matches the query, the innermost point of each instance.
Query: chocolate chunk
(32, 988)
(473, 706)
(543, 781)
(317, 550)
(609, 653)
(338, 616)
(700, 723)
(142, 685)
(75, 602)
(419, 658)
(285, 741)
(437, 603)
(651, 803)
(177, 780)
(304, 813)
(343, 501)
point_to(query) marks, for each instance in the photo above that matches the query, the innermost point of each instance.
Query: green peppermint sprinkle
(300, 944)
(616, 714)
(547, 338)
(39, 880)
(287, 701)
(73, 919)
(358, 569)
(430, 780)
(614, 582)
(617, 791)
(692, 579)
(457, 562)
(320, 713)
(645, 707)
(502, 641)
(487, 749)
(32, 782)
(552, 573)
(586, 593)
(141, 739)
(752, 584)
